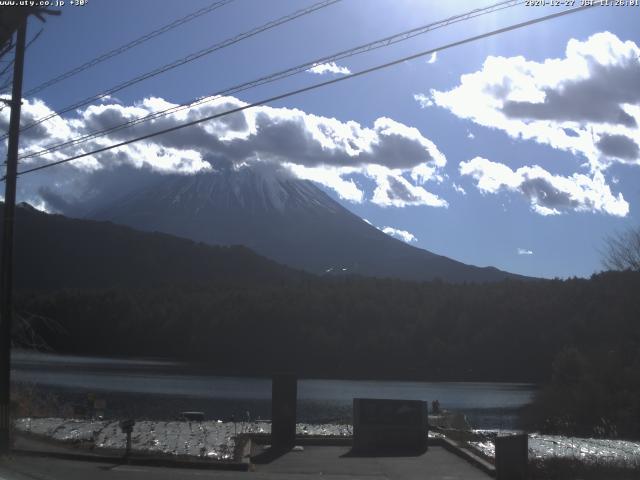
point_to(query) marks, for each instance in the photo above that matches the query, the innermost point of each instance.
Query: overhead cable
(316, 86)
(127, 46)
(182, 61)
(367, 47)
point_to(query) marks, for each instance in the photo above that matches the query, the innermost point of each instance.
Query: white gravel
(589, 450)
(216, 439)
(210, 439)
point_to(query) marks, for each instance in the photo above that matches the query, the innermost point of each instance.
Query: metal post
(512, 457)
(284, 394)
(6, 265)
(127, 427)
(127, 452)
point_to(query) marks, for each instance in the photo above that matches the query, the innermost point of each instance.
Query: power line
(10, 66)
(6, 48)
(316, 86)
(127, 46)
(184, 60)
(367, 47)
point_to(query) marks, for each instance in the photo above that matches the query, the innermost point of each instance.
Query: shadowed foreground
(330, 462)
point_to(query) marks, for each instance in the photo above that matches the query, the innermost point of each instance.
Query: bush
(589, 395)
(28, 400)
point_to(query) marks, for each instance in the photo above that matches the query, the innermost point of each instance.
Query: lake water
(160, 390)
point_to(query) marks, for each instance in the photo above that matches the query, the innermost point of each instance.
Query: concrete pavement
(337, 462)
(331, 463)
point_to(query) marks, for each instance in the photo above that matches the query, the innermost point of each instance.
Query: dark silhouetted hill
(53, 252)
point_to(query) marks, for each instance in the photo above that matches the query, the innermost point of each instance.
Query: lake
(156, 389)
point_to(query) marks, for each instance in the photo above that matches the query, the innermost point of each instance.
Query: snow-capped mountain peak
(284, 218)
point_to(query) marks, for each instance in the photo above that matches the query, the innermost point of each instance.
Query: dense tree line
(580, 335)
(591, 394)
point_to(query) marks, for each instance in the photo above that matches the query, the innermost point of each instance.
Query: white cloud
(403, 235)
(524, 251)
(331, 67)
(330, 177)
(397, 157)
(547, 194)
(587, 103)
(470, 136)
(394, 190)
(423, 100)
(41, 206)
(433, 58)
(459, 189)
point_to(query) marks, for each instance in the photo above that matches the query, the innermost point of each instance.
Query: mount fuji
(286, 219)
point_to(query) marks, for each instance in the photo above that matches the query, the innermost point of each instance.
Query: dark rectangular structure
(284, 396)
(512, 457)
(400, 426)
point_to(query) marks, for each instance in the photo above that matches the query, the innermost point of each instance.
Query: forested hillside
(53, 251)
(355, 326)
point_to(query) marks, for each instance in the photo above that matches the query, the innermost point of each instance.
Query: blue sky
(492, 153)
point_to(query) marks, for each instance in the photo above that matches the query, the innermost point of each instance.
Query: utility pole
(6, 267)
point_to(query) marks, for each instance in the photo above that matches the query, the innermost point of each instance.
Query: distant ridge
(53, 252)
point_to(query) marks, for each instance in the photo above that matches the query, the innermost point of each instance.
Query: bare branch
(623, 251)
(26, 336)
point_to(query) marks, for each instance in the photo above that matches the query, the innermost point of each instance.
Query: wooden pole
(6, 265)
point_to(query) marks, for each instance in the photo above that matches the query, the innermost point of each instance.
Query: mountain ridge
(53, 252)
(288, 220)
